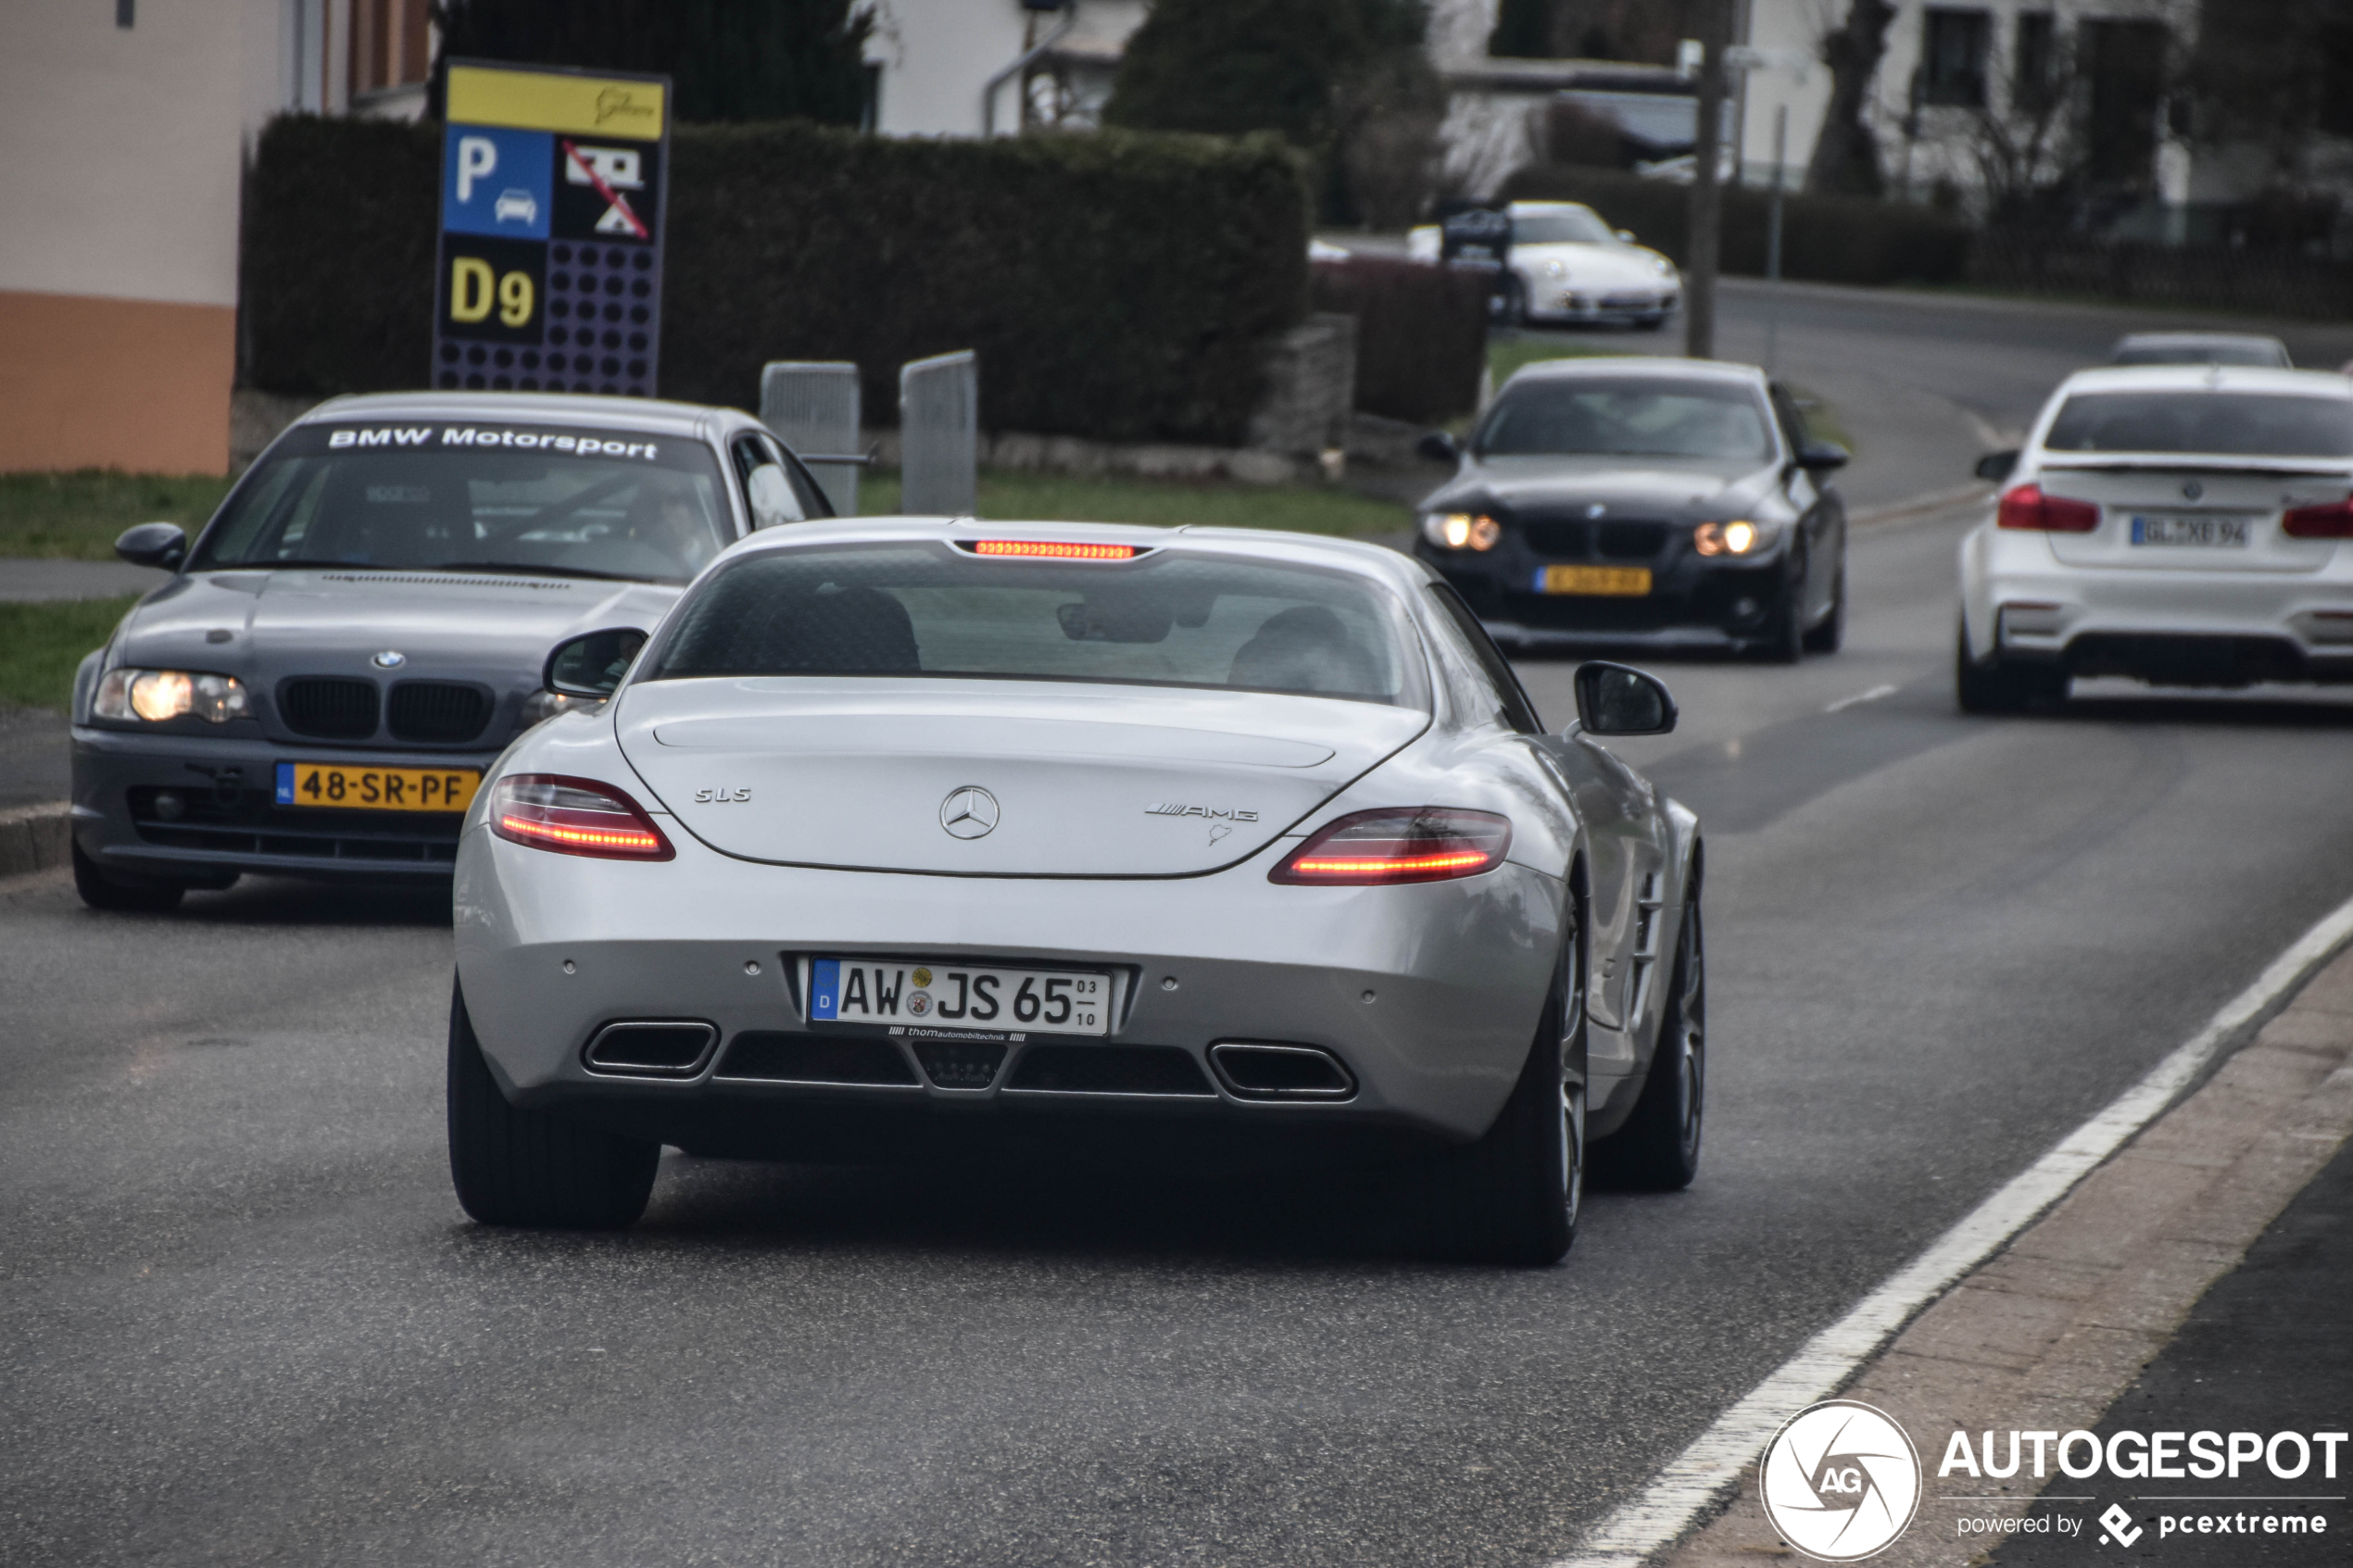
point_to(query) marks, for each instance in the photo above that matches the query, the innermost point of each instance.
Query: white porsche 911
(2177, 524)
(899, 829)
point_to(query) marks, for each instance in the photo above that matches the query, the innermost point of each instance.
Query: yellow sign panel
(558, 101)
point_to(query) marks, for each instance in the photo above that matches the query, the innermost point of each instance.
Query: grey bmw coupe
(359, 630)
(895, 831)
(1659, 503)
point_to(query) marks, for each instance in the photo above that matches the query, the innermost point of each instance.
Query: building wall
(935, 56)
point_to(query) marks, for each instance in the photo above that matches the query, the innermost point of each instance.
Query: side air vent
(329, 708)
(774, 1057)
(1260, 1072)
(664, 1048)
(1109, 1070)
(438, 712)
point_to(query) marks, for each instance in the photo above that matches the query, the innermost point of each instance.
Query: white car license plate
(2198, 530)
(900, 994)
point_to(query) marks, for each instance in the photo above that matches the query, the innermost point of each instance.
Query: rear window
(924, 608)
(449, 496)
(2237, 424)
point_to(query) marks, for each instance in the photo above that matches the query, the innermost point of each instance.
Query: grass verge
(76, 516)
(40, 643)
(1160, 503)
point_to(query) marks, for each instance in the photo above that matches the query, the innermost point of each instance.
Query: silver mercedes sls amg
(894, 829)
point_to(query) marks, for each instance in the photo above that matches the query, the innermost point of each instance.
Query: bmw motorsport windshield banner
(551, 219)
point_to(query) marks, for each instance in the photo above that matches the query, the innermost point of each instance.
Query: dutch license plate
(901, 995)
(353, 786)
(2205, 531)
(1618, 581)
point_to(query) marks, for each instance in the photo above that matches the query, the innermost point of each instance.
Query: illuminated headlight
(1737, 538)
(157, 694)
(1461, 531)
(543, 705)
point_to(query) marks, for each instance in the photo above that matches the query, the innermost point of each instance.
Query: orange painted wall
(120, 383)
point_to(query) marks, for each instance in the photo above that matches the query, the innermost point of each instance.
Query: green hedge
(1120, 287)
(1421, 332)
(1824, 239)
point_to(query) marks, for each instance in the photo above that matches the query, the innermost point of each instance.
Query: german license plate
(355, 786)
(901, 995)
(1617, 582)
(2197, 530)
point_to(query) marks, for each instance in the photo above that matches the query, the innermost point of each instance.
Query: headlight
(541, 704)
(1663, 267)
(157, 694)
(1461, 531)
(1736, 538)
(1557, 268)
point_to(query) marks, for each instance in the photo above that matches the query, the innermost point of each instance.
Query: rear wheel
(1832, 633)
(1996, 687)
(1512, 1196)
(1658, 1146)
(121, 895)
(530, 1168)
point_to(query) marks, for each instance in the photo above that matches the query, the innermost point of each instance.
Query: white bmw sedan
(902, 831)
(2178, 525)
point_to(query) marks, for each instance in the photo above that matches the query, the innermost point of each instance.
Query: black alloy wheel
(1995, 687)
(1658, 1150)
(530, 1168)
(1512, 1196)
(121, 895)
(1831, 634)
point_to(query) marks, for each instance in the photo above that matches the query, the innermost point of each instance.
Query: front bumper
(1429, 995)
(2167, 627)
(1695, 603)
(228, 821)
(1580, 305)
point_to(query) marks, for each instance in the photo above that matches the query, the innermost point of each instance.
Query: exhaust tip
(651, 1048)
(1251, 1071)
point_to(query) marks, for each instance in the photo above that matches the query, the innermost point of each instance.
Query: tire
(118, 894)
(530, 1168)
(1658, 1148)
(1786, 642)
(1511, 301)
(1994, 687)
(1512, 1196)
(1831, 634)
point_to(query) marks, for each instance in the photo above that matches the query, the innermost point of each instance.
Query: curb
(33, 838)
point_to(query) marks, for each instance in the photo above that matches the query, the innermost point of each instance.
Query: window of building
(1953, 57)
(391, 44)
(2036, 63)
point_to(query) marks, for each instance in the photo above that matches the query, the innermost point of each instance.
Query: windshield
(536, 499)
(924, 608)
(2238, 425)
(1626, 416)
(1576, 226)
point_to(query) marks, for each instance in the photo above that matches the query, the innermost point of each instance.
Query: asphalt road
(244, 1321)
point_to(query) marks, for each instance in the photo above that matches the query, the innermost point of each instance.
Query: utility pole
(1773, 241)
(1707, 201)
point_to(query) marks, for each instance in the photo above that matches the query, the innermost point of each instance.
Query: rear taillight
(574, 816)
(1410, 843)
(2027, 507)
(2332, 521)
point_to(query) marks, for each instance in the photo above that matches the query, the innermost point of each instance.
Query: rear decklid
(1076, 780)
(2166, 511)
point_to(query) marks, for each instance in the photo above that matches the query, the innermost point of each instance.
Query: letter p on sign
(477, 158)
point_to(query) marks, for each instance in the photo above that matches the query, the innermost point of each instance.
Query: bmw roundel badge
(391, 658)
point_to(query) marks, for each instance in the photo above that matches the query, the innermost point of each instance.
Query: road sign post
(552, 197)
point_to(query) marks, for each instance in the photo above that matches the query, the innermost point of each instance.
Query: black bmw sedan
(1666, 502)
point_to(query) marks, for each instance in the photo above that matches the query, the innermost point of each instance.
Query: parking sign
(552, 210)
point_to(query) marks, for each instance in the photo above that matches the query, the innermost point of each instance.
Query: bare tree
(2026, 141)
(1846, 152)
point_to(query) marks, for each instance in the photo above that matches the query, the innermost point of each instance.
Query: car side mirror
(1615, 700)
(770, 497)
(1439, 447)
(1996, 465)
(592, 664)
(1823, 456)
(154, 544)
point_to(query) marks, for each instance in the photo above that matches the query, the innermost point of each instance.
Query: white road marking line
(1689, 1487)
(1860, 698)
